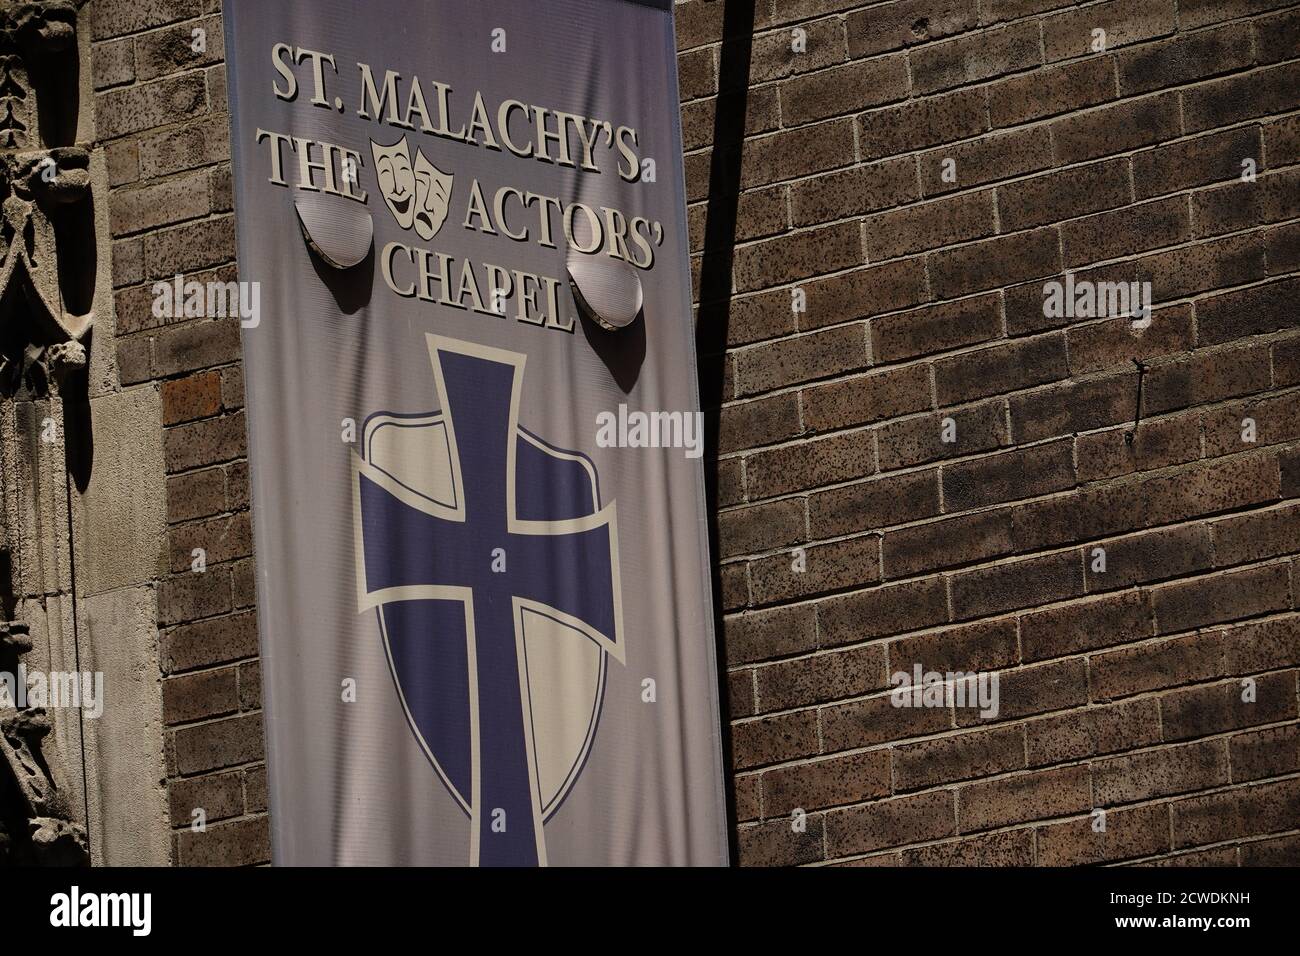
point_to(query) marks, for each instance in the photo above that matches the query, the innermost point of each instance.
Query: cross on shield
(493, 570)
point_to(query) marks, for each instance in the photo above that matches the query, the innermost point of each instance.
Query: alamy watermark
(32, 688)
(1085, 299)
(637, 429)
(922, 688)
(178, 299)
(133, 911)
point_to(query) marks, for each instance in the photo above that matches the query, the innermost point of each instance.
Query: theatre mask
(396, 180)
(432, 194)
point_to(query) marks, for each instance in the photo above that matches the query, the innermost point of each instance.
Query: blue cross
(432, 568)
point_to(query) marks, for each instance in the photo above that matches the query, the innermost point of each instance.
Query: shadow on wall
(715, 291)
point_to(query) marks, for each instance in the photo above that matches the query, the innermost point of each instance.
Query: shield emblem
(490, 670)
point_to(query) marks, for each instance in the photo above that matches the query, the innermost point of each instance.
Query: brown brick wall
(1120, 690)
(161, 115)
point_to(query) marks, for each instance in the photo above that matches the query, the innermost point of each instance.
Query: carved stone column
(46, 224)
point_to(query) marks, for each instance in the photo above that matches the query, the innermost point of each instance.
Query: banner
(474, 429)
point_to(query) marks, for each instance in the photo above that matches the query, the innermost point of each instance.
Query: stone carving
(30, 800)
(42, 185)
(44, 205)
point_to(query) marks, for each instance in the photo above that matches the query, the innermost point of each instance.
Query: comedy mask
(396, 180)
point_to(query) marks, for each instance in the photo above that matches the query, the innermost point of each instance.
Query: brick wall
(1121, 689)
(161, 115)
